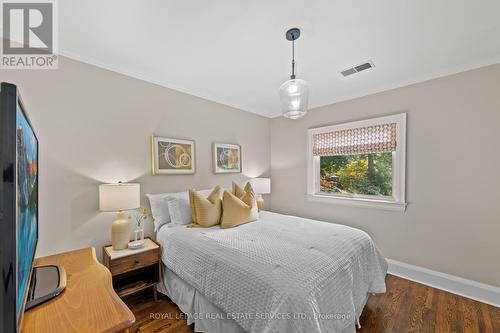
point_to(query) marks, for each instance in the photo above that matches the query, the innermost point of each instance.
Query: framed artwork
(226, 158)
(172, 156)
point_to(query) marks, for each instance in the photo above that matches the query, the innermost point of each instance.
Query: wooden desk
(88, 304)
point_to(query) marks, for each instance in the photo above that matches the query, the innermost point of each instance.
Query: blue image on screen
(27, 203)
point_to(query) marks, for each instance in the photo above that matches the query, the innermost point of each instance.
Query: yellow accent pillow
(237, 211)
(206, 211)
(237, 190)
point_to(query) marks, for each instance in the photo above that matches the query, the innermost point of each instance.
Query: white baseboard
(468, 288)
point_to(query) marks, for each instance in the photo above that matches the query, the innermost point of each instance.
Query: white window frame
(396, 202)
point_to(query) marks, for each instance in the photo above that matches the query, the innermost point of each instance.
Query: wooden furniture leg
(155, 293)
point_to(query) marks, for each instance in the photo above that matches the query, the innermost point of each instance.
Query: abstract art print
(172, 156)
(226, 158)
(27, 202)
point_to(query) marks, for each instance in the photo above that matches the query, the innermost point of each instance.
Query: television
(18, 205)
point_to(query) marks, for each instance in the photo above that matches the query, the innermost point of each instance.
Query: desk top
(88, 304)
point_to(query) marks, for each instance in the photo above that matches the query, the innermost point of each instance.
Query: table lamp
(261, 186)
(117, 198)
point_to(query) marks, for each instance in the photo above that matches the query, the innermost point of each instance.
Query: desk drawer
(129, 263)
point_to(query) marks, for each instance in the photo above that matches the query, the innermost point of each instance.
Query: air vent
(358, 68)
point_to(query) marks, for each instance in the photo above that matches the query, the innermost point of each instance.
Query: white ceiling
(235, 52)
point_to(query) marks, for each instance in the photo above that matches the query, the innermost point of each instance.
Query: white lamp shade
(261, 185)
(117, 197)
(294, 96)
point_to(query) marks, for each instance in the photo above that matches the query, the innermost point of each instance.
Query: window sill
(359, 202)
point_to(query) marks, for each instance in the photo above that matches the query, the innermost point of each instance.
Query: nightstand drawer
(130, 263)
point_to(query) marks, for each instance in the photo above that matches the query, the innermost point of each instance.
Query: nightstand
(134, 270)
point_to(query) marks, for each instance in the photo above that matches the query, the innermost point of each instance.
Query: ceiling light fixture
(294, 93)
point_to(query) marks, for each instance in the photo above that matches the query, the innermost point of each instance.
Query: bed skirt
(205, 316)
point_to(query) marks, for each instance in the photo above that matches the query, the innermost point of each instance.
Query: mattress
(279, 274)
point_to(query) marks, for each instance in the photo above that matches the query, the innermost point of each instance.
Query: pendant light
(294, 93)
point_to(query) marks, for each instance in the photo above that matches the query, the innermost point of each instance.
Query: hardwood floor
(405, 307)
(412, 307)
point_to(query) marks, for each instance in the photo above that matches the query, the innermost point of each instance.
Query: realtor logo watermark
(29, 31)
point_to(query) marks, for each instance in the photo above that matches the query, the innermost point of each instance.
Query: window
(359, 163)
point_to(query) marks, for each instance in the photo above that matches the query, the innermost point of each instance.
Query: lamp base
(120, 232)
(260, 202)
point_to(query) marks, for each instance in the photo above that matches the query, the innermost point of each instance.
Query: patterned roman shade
(361, 140)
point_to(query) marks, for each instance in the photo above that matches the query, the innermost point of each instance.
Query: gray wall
(452, 223)
(94, 126)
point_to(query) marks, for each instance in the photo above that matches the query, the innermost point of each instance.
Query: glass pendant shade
(294, 95)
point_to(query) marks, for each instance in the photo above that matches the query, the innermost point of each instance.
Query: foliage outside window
(362, 174)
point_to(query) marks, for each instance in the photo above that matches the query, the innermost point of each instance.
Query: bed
(278, 274)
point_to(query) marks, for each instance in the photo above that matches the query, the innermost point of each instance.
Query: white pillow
(179, 210)
(159, 209)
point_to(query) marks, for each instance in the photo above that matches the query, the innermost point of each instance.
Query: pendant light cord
(293, 59)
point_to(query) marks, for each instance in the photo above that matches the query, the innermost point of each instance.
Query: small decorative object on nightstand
(140, 216)
(261, 186)
(117, 198)
(134, 270)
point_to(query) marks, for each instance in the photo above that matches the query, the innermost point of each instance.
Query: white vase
(139, 234)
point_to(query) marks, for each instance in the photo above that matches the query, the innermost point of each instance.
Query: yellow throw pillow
(237, 211)
(237, 190)
(206, 211)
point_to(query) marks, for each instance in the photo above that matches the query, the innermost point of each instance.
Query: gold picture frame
(171, 156)
(226, 158)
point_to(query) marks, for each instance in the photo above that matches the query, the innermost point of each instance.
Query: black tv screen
(18, 205)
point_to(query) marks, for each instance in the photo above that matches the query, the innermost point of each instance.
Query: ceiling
(235, 52)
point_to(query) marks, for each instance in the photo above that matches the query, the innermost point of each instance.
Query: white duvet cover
(281, 273)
